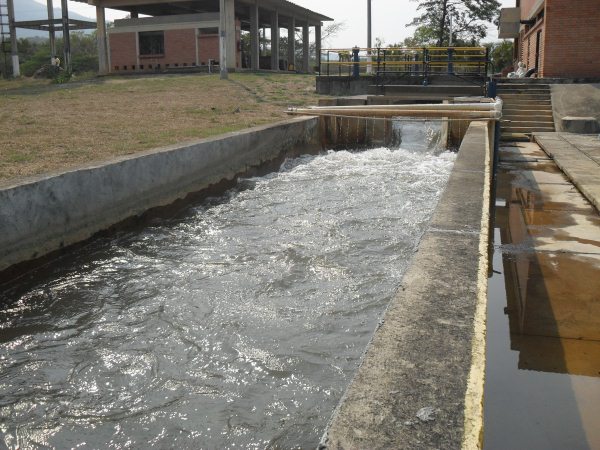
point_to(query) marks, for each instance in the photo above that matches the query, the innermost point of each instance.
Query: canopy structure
(252, 15)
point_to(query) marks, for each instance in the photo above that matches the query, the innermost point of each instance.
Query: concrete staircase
(527, 109)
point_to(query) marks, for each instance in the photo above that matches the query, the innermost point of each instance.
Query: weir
(236, 321)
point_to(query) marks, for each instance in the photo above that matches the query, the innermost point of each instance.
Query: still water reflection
(543, 374)
(237, 324)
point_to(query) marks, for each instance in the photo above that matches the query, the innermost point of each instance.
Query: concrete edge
(49, 213)
(342, 431)
(474, 397)
(581, 186)
(21, 181)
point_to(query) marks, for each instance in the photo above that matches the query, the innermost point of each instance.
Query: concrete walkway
(420, 384)
(578, 156)
(550, 260)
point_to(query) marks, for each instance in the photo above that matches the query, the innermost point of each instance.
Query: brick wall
(122, 51)
(572, 41)
(179, 50)
(528, 47)
(208, 48)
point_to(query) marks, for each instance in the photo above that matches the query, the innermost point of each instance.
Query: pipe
(387, 113)
(438, 107)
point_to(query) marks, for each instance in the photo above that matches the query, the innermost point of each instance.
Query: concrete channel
(420, 384)
(46, 214)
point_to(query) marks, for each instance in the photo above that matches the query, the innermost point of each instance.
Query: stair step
(511, 124)
(526, 111)
(527, 121)
(543, 117)
(515, 137)
(515, 93)
(525, 96)
(527, 103)
(523, 89)
(524, 85)
(519, 129)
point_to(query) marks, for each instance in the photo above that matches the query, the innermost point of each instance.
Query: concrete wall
(429, 351)
(581, 100)
(47, 214)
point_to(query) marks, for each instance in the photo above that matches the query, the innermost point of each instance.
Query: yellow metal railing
(418, 61)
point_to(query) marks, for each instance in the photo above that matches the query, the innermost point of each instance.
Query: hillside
(32, 10)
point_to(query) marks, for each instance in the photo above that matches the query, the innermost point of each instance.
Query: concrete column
(103, 68)
(292, 42)
(14, 50)
(66, 35)
(318, 45)
(274, 40)
(51, 33)
(305, 49)
(223, 39)
(231, 35)
(254, 37)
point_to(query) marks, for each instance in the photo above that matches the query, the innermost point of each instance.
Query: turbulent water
(237, 324)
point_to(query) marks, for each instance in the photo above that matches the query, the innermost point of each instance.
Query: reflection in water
(545, 393)
(238, 324)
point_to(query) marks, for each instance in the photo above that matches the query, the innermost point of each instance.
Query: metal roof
(167, 7)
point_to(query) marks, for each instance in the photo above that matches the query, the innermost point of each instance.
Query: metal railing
(469, 63)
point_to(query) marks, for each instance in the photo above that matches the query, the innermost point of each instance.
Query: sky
(389, 19)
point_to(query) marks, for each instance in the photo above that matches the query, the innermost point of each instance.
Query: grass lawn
(47, 127)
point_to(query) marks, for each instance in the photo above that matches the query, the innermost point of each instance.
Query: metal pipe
(388, 113)
(439, 107)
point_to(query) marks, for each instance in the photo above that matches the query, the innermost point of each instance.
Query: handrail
(374, 49)
(469, 63)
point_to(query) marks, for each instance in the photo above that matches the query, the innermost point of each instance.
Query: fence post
(425, 67)
(356, 59)
(450, 61)
(491, 89)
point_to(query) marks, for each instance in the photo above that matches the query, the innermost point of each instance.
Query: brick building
(559, 38)
(183, 33)
(163, 42)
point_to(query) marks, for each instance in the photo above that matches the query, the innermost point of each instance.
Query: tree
(423, 36)
(468, 17)
(501, 54)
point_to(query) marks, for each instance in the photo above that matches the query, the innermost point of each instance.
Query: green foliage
(501, 54)
(468, 18)
(34, 54)
(62, 76)
(424, 36)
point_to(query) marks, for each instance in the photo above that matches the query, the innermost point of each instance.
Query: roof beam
(44, 25)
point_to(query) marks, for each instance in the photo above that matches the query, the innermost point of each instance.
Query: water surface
(237, 324)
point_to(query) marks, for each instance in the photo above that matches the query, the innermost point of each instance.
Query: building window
(208, 31)
(152, 43)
